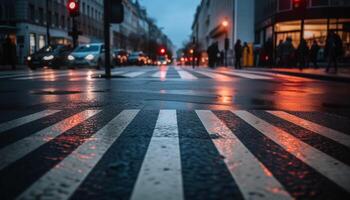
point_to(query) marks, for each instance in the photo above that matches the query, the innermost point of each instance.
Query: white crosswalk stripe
(162, 163)
(17, 150)
(65, 178)
(160, 176)
(186, 75)
(337, 136)
(160, 74)
(246, 75)
(56, 75)
(248, 172)
(134, 74)
(215, 76)
(326, 165)
(26, 119)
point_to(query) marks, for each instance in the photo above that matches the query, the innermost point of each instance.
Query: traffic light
(162, 51)
(73, 8)
(116, 11)
(299, 4)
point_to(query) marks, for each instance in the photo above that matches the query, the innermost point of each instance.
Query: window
(32, 43)
(284, 5)
(41, 15)
(63, 21)
(319, 3)
(56, 19)
(49, 17)
(41, 41)
(31, 12)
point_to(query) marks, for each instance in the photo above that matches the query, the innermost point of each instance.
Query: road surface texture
(173, 133)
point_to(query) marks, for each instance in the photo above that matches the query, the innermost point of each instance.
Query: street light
(225, 25)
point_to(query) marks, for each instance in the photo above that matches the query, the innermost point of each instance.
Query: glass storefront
(315, 29)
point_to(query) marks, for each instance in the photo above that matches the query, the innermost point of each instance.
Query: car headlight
(29, 58)
(50, 57)
(70, 57)
(90, 57)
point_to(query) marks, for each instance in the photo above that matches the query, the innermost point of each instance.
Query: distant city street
(174, 100)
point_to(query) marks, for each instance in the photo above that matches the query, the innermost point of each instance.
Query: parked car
(137, 58)
(50, 56)
(120, 57)
(88, 55)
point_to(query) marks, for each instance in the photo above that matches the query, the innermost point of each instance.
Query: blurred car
(50, 56)
(137, 58)
(162, 60)
(88, 55)
(120, 57)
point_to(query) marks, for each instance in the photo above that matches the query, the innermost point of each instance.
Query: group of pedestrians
(216, 57)
(288, 56)
(8, 53)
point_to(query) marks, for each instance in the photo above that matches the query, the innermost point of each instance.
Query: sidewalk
(18, 68)
(343, 74)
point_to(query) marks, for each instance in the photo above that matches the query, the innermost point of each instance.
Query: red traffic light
(162, 51)
(299, 4)
(73, 8)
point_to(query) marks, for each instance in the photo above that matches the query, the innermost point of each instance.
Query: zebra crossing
(170, 73)
(173, 154)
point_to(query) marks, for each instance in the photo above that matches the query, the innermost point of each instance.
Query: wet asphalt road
(172, 133)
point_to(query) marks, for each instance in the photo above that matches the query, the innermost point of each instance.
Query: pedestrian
(288, 52)
(238, 54)
(279, 53)
(302, 54)
(222, 58)
(315, 48)
(216, 52)
(9, 53)
(246, 53)
(211, 56)
(333, 50)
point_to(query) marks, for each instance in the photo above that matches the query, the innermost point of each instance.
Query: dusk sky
(175, 16)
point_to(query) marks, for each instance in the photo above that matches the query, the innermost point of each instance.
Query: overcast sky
(175, 16)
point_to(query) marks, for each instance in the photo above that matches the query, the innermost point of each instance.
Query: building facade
(24, 21)
(276, 20)
(208, 27)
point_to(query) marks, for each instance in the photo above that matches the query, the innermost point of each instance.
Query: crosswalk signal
(73, 8)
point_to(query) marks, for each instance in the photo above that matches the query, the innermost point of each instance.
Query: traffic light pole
(75, 32)
(107, 38)
(48, 23)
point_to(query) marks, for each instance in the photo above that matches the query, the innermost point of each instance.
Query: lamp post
(227, 41)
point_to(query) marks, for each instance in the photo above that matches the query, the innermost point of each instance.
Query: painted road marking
(134, 74)
(186, 75)
(62, 181)
(160, 176)
(26, 119)
(218, 77)
(331, 168)
(251, 175)
(246, 75)
(337, 136)
(19, 149)
(160, 74)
